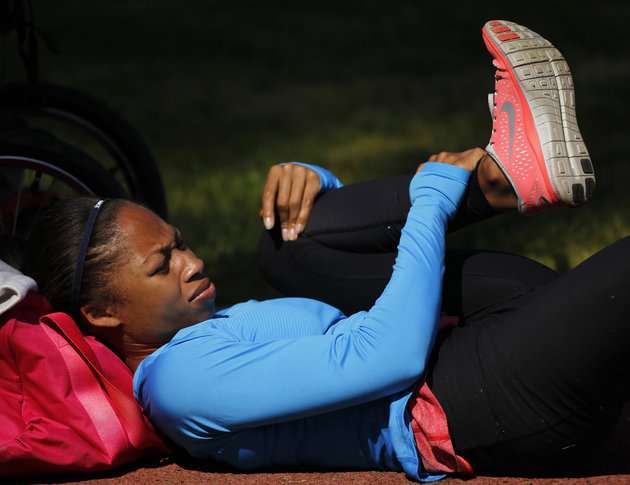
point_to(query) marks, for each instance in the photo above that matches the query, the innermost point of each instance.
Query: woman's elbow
(409, 365)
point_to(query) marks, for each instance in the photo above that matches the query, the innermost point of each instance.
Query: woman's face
(163, 285)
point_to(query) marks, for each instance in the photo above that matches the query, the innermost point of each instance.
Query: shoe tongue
(491, 103)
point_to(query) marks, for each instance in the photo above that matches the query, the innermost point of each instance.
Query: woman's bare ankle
(495, 186)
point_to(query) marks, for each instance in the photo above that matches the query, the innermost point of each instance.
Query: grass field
(221, 90)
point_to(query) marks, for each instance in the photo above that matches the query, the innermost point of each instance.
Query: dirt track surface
(175, 475)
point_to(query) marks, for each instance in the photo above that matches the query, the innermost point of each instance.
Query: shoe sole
(545, 89)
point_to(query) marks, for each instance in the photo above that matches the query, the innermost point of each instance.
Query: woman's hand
(290, 191)
(467, 159)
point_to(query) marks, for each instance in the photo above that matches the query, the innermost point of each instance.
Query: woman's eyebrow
(178, 237)
(166, 249)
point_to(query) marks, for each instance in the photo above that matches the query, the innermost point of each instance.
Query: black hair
(53, 246)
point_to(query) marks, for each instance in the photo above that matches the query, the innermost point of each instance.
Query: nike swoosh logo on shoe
(511, 112)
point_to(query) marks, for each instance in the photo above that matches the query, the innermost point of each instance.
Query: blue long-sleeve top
(294, 382)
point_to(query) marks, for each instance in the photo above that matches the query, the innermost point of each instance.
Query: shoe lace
(498, 75)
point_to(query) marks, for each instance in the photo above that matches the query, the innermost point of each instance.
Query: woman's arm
(220, 382)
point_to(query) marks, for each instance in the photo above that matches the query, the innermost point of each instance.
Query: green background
(222, 90)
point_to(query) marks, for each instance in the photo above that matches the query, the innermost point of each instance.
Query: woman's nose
(194, 265)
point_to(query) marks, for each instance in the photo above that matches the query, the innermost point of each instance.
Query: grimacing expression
(163, 285)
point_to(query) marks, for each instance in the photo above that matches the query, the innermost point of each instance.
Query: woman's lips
(204, 292)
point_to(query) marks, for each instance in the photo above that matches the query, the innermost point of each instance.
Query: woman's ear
(99, 317)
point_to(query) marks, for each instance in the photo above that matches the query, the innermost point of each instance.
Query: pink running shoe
(535, 136)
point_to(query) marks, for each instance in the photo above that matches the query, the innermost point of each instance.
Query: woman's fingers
(467, 159)
(289, 192)
(270, 190)
(290, 199)
(312, 187)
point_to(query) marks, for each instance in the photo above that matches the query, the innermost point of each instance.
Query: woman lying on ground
(294, 382)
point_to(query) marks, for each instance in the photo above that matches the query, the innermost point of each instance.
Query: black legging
(536, 372)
